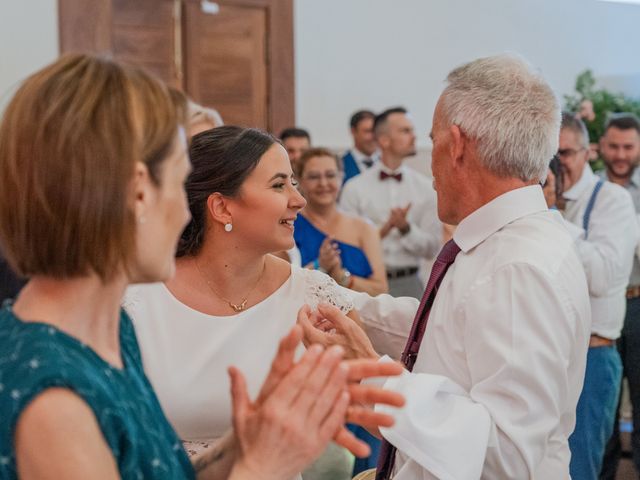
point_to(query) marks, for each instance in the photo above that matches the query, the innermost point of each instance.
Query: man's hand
(397, 219)
(399, 216)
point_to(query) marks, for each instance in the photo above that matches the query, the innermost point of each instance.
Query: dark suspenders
(587, 212)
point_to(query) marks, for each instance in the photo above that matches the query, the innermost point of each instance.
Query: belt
(401, 272)
(598, 341)
(633, 292)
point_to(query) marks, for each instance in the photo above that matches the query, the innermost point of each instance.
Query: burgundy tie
(396, 176)
(445, 258)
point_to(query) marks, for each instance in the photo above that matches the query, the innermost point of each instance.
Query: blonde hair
(199, 113)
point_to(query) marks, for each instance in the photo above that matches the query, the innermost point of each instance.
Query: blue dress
(308, 240)
(35, 356)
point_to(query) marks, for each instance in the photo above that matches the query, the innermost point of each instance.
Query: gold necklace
(239, 307)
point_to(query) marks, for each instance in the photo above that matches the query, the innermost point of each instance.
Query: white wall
(28, 40)
(379, 53)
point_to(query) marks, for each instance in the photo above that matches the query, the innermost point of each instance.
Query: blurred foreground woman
(93, 160)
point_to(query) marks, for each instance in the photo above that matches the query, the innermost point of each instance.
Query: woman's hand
(329, 326)
(289, 427)
(329, 256)
(266, 428)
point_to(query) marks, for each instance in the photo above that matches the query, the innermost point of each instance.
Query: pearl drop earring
(228, 227)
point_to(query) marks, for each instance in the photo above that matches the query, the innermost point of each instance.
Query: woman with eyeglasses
(347, 248)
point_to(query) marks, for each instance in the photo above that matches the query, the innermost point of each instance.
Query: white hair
(509, 110)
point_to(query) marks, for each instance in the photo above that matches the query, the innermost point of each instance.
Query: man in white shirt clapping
(400, 201)
(496, 355)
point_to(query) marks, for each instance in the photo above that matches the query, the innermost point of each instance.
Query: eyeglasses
(569, 152)
(328, 176)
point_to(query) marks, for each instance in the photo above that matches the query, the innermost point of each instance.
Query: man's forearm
(217, 461)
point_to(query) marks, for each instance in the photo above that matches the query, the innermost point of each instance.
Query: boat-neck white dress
(186, 353)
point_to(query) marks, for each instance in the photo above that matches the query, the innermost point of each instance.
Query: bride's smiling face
(268, 203)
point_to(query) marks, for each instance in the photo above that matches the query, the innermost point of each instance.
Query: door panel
(143, 34)
(226, 64)
(239, 61)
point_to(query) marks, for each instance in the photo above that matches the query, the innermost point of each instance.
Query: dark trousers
(629, 348)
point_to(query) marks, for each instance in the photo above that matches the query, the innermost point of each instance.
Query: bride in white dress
(230, 301)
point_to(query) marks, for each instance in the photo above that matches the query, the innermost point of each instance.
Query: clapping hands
(329, 255)
(397, 219)
(303, 405)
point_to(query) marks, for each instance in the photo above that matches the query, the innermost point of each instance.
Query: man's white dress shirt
(500, 370)
(607, 252)
(368, 196)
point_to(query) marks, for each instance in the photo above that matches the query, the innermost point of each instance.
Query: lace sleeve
(321, 288)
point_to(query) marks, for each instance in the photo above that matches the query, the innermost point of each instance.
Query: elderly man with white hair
(496, 356)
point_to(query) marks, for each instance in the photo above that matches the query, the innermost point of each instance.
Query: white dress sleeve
(321, 288)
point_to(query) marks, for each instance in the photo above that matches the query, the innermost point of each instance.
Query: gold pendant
(238, 308)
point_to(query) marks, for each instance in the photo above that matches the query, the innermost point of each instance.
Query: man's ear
(382, 140)
(218, 208)
(144, 191)
(457, 145)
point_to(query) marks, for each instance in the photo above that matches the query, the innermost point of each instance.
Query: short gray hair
(573, 123)
(509, 110)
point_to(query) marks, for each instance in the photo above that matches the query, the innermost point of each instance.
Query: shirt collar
(491, 217)
(358, 155)
(384, 168)
(586, 180)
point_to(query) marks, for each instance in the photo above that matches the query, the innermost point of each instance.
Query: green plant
(603, 102)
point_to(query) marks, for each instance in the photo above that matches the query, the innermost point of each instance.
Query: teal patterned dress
(36, 356)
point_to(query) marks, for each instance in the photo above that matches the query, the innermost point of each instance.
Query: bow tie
(384, 175)
(367, 162)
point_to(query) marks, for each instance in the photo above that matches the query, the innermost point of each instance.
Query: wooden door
(143, 34)
(140, 32)
(226, 61)
(238, 60)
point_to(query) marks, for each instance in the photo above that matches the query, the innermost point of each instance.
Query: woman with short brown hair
(93, 160)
